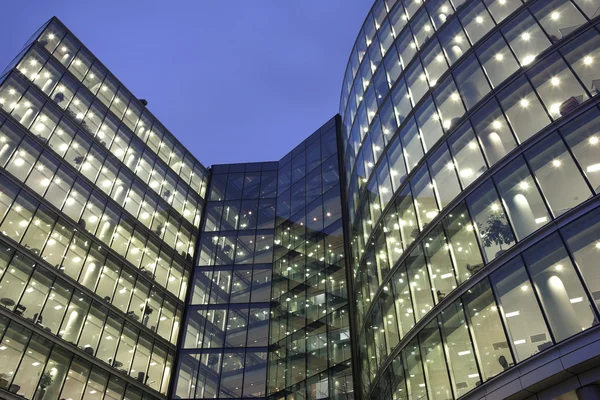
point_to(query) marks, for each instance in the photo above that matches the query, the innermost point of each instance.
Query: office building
(435, 240)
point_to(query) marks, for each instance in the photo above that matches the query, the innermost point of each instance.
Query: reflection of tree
(495, 230)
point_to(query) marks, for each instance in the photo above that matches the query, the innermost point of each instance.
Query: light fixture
(526, 36)
(555, 81)
(554, 16)
(499, 57)
(497, 124)
(479, 19)
(524, 185)
(556, 162)
(524, 103)
(588, 60)
(528, 59)
(593, 168)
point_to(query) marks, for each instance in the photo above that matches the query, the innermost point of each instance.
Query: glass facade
(436, 236)
(100, 211)
(267, 315)
(469, 128)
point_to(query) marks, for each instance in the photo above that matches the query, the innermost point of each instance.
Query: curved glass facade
(470, 127)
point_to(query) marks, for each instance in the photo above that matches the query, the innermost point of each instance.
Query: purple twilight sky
(234, 81)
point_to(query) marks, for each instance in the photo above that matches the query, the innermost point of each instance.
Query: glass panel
(524, 205)
(520, 310)
(459, 349)
(494, 233)
(559, 178)
(488, 331)
(559, 288)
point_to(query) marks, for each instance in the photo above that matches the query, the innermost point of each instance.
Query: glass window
(524, 205)
(559, 178)
(582, 137)
(404, 310)
(450, 106)
(9, 139)
(463, 243)
(13, 282)
(557, 86)
(441, 270)
(468, 159)
(26, 379)
(459, 349)
(36, 291)
(430, 126)
(445, 182)
(559, 288)
(413, 151)
(412, 360)
(497, 59)
(419, 283)
(493, 131)
(582, 238)
(78, 375)
(523, 109)
(524, 35)
(471, 81)
(557, 17)
(520, 310)
(487, 330)
(582, 55)
(14, 342)
(454, 42)
(396, 163)
(434, 363)
(494, 233)
(417, 82)
(56, 369)
(424, 198)
(476, 20)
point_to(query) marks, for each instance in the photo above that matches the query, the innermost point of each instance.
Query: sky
(234, 81)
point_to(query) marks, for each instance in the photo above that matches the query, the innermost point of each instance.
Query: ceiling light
(526, 36)
(555, 16)
(524, 103)
(499, 57)
(587, 60)
(479, 20)
(528, 59)
(524, 185)
(555, 81)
